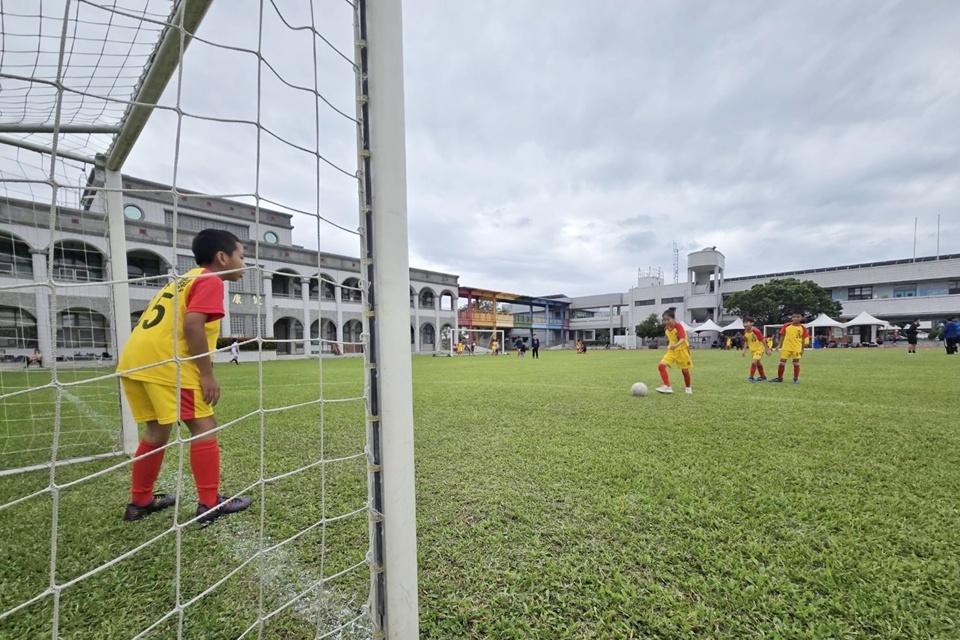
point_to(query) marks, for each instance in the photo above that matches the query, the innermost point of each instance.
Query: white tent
(686, 327)
(709, 325)
(867, 320)
(823, 320)
(736, 325)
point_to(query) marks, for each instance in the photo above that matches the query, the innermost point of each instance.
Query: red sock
(783, 363)
(145, 473)
(686, 376)
(796, 370)
(664, 376)
(753, 369)
(760, 370)
(205, 463)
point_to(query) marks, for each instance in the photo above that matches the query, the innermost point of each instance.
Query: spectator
(35, 357)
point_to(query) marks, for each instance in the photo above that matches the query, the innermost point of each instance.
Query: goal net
(483, 341)
(125, 130)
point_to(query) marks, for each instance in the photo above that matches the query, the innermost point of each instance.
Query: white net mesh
(254, 134)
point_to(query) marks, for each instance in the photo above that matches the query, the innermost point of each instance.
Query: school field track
(551, 504)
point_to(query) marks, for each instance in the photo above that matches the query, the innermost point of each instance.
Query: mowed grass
(552, 504)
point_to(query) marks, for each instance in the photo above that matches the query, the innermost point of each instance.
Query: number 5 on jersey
(158, 310)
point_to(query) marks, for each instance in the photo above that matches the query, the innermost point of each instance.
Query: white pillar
(225, 329)
(267, 302)
(437, 339)
(338, 299)
(305, 296)
(45, 324)
(387, 269)
(113, 182)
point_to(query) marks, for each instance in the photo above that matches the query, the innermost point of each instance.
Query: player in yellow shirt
(757, 348)
(793, 338)
(185, 313)
(678, 350)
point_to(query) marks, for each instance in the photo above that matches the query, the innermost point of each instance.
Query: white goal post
(71, 108)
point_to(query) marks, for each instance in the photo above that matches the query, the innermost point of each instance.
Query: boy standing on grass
(185, 313)
(235, 353)
(757, 347)
(678, 351)
(793, 338)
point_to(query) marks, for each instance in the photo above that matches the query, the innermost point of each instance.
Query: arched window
(447, 301)
(350, 292)
(77, 262)
(143, 264)
(15, 258)
(427, 336)
(286, 284)
(352, 330)
(18, 329)
(426, 299)
(81, 329)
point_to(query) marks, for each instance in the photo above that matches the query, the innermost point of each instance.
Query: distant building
(303, 295)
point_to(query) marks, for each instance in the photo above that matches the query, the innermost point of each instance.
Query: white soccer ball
(638, 389)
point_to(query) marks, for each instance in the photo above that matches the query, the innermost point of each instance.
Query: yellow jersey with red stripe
(681, 353)
(793, 337)
(152, 341)
(754, 340)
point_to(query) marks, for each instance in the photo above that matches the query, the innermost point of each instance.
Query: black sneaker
(224, 506)
(160, 502)
(778, 379)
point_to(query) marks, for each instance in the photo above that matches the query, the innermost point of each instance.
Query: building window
(15, 258)
(141, 264)
(81, 328)
(644, 303)
(271, 238)
(350, 291)
(953, 288)
(132, 212)
(185, 263)
(18, 329)
(236, 286)
(671, 300)
(187, 222)
(905, 291)
(238, 325)
(77, 262)
(860, 293)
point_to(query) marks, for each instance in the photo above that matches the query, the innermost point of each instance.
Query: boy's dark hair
(210, 242)
(749, 319)
(671, 313)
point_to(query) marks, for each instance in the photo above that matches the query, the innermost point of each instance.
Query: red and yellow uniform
(793, 338)
(755, 342)
(680, 354)
(152, 390)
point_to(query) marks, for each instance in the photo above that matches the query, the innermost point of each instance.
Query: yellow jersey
(793, 337)
(152, 341)
(754, 339)
(676, 334)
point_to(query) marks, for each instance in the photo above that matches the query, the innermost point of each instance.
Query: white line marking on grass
(285, 576)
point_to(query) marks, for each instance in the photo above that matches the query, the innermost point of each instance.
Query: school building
(307, 297)
(895, 290)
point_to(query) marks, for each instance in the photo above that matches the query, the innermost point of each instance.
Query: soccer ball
(638, 389)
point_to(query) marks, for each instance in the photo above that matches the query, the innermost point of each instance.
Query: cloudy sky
(559, 146)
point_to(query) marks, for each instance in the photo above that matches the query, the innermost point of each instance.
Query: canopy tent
(685, 326)
(823, 321)
(736, 325)
(709, 325)
(867, 320)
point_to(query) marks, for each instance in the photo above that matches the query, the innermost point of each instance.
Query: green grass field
(551, 504)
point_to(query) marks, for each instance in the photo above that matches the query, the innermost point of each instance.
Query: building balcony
(702, 301)
(486, 319)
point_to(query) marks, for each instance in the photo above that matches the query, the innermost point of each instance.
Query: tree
(650, 327)
(773, 302)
